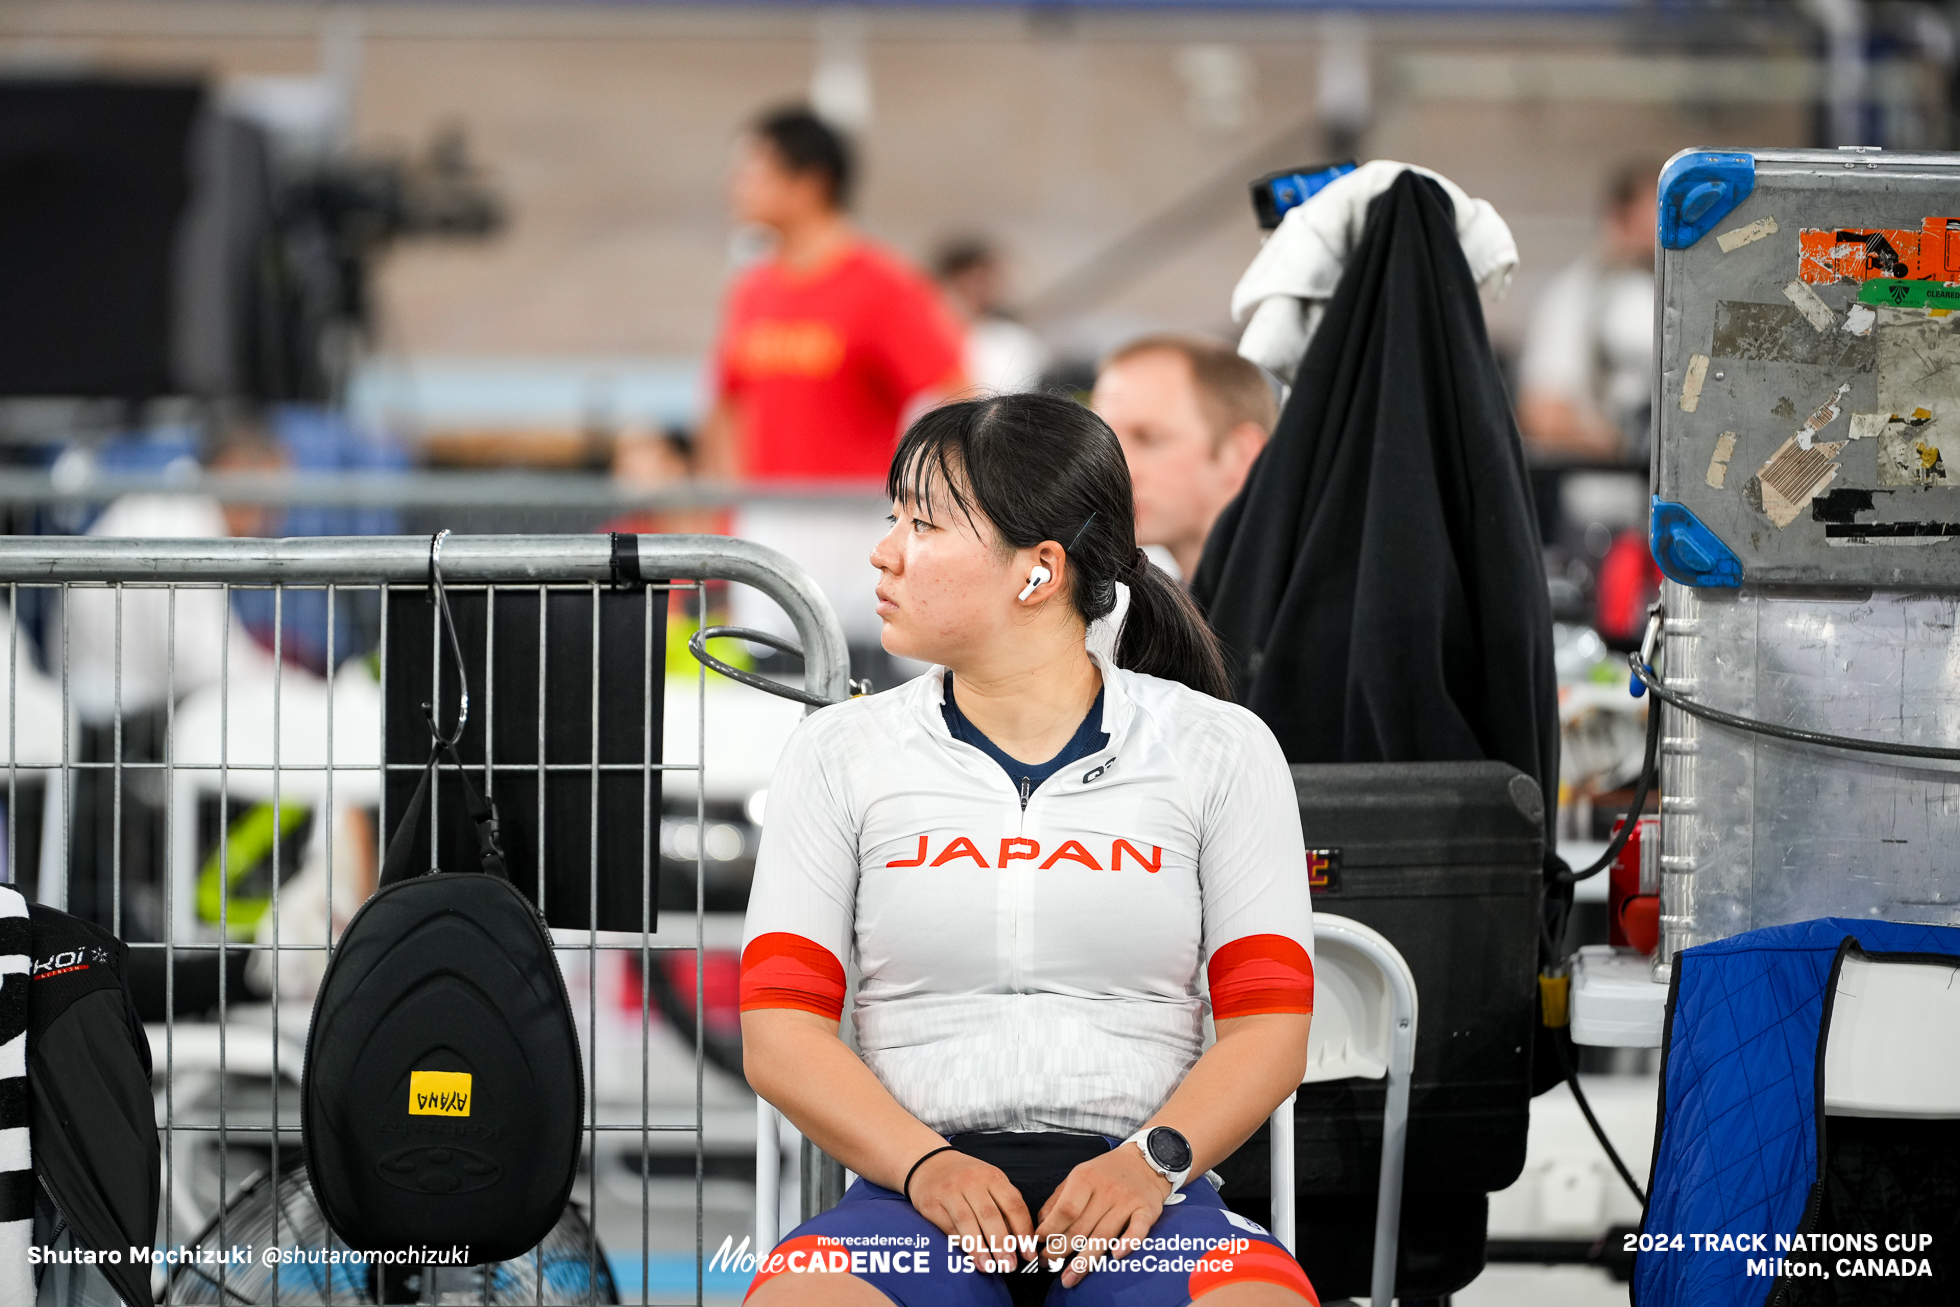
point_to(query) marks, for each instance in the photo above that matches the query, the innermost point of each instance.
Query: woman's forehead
(930, 492)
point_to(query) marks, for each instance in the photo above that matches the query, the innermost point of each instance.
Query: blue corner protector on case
(1699, 190)
(1687, 551)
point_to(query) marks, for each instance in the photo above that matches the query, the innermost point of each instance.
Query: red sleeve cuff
(1255, 974)
(785, 970)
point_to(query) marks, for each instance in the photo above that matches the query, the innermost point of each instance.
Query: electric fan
(569, 1267)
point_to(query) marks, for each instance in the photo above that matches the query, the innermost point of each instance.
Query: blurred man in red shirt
(831, 343)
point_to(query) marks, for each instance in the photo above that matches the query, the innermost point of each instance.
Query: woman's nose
(883, 556)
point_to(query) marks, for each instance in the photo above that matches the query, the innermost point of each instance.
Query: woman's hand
(965, 1196)
(1111, 1201)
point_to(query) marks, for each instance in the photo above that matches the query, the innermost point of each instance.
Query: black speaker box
(1446, 861)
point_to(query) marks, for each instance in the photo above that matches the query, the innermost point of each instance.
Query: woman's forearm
(1256, 1062)
(796, 1061)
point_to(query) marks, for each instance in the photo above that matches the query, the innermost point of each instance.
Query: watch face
(1169, 1149)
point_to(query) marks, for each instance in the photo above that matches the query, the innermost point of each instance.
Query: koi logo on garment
(69, 961)
(1015, 849)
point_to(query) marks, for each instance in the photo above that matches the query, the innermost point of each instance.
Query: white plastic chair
(1364, 1027)
(768, 1177)
(1878, 1058)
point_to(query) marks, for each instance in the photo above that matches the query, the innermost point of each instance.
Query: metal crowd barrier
(151, 691)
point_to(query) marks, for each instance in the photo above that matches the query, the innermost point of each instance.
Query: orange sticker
(1862, 253)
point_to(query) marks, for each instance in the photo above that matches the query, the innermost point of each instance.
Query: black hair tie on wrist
(906, 1188)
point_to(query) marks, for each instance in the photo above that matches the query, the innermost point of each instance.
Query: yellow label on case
(438, 1093)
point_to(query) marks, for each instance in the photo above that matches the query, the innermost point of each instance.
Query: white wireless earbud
(1040, 576)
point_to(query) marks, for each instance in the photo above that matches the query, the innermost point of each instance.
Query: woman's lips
(886, 605)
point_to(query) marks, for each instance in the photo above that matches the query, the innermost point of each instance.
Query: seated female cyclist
(1031, 1091)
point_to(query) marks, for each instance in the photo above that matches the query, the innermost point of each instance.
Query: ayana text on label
(438, 1093)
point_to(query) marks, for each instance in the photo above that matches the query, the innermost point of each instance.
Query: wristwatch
(1167, 1151)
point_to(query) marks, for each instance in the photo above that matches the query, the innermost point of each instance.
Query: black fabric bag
(442, 1096)
(93, 1128)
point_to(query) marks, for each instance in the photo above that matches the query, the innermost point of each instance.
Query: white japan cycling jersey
(1037, 968)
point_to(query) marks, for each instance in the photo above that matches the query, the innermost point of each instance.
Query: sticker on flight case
(1909, 454)
(1718, 463)
(1825, 414)
(1831, 254)
(1919, 390)
(1747, 234)
(1815, 311)
(1910, 295)
(1323, 870)
(1692, 382)
(1793, 476)
(1778, 333)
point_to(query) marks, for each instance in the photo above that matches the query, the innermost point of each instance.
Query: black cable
(1675, 699)
(697, 644)
(1649, 766)
(1579, 1097)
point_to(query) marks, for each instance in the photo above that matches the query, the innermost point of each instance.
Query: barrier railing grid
(197, 720)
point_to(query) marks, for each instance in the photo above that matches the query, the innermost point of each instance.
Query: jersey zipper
(1027, 788)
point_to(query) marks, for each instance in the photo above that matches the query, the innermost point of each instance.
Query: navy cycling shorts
(875, 1234)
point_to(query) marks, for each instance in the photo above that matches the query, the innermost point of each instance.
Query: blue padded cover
(1735, 1151)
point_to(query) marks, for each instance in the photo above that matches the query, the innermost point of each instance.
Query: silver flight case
(1807, 515)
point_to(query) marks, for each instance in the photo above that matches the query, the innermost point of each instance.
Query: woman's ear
(1049, 562)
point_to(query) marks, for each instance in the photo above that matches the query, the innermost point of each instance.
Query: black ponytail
(1040, 467)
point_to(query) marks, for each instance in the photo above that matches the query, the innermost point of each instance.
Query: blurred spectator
(827, 347)
(1002, 355)
(293, 624)
(645, 460)
(1192, 416)
(165, 641)
(1585, 376)
(246, 446)
(830, 342)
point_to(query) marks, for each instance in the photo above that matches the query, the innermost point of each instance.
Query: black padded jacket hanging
(96, 1152)
(1378, 583)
